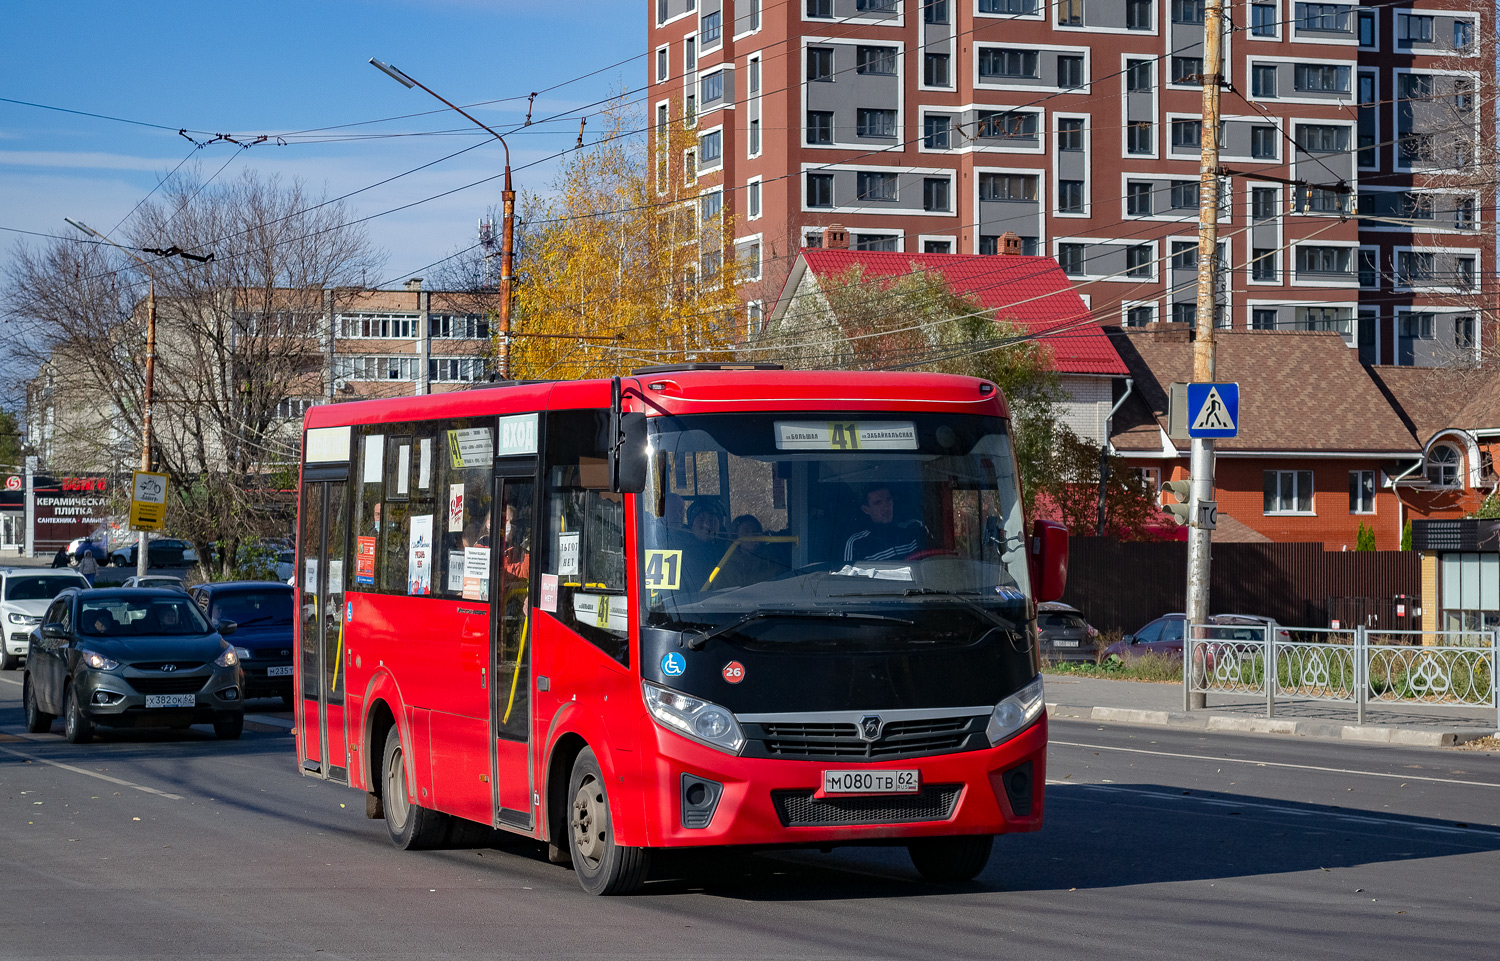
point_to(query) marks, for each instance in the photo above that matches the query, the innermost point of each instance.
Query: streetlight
(507, 199)
(140, 547)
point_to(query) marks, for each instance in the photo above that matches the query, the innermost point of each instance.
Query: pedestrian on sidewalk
(88, 565)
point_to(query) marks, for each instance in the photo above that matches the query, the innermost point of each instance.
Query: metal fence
(1358, 666)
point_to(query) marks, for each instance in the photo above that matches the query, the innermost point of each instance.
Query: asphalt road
(1157, 844)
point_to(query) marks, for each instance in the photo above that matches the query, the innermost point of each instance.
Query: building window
(1263, 142)
(1138, 198)
(1361, 492)
(1288, 491)
(937, 246)
(1463, 332)
(820, 9)
(1012, 64)
(1367, 320)
(886, 243)
(1463, 272)
(711, 205)
(1415, 267)
(712, 87)
(1185, 312)
(661, 64)
(1263, 203)
(1263, 264)
(712, 29)
(875, 185)
(1187, 11)
(1412, 28)
(690, 110)
(1416, 325)
(1070, 134)
(1366, 25)
(1007, 187)
(1140, 316)
(1005, 123)
(1263, 21)
(1320, 78)
(1138, 76)
(934, 11)
(690, 53)
(935, 194)
(935, 132)
(1184, 256)
(1138, 261)
(1070, 258)
(820, 190)
(1187, 133)
(711, 148)
(1185, 194)
(1463, 35)
(1442, 466)
(875, 61)
(1322, 138)
(1023, 7)
(1330, 17)
(753, 141)
(1263, 80)
(1463, 213)
(820, 63)
(1263, 318)
(1313, 259)
(935, 70)
(1369, 268)
(1070, 196)
(875, 6)
(1069, 72)
(820, 126)
(1138, 15)
(1139, 138)
(875, 123)
(1187, 70)
(1069, 13)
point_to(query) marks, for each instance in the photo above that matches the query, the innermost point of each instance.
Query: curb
(1204, 721)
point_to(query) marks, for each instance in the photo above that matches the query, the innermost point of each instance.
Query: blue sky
(270, 66)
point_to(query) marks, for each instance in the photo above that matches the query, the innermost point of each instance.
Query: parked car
(1164, 635)
(25, 593)
(130, 658)
(164, 552)
(1065, 635)
(264, 612)
(163, 581)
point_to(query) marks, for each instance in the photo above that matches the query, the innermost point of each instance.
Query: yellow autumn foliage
(626, 250)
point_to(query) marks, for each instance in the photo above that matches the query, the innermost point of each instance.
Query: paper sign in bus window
(364, 560)
(424, 464)
(455, 508)
(374, 458)
(419, 556)
(567, 554)
(664, 570)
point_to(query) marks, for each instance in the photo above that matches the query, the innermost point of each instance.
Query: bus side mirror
(629, 462)
(1048, 560)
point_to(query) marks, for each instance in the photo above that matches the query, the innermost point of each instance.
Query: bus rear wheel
(411, 826)
(950, 860)
(603, 867)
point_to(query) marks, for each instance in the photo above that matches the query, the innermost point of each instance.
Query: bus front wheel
(411, 826)
(950, 860)
(602, 866)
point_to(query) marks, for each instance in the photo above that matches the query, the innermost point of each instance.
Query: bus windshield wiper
(697, 641)
(963, 597)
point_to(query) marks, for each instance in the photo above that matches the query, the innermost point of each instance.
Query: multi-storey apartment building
(1357, 141)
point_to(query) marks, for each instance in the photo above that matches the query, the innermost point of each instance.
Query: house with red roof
(1030, 292)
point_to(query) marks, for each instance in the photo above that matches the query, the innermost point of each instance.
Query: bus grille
(898, 739)
(167, 685)
(799, 809)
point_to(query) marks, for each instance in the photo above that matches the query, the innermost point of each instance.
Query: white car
(25, 593)
(158, 581)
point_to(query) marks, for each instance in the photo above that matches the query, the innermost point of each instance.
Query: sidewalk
(1160, 705)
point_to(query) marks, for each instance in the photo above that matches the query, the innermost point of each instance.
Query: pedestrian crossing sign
(1213, 410)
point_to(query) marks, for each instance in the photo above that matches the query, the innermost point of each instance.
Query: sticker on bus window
(470, 448)
(424, 464)
(336, 576)
(455, 572)
(549, 593)
(567, 554)
(848, 435)
(374, 458)
(310, 582)
(664, 570)
(476, 583)
(455, 508)
(364, 560)
(419, 556)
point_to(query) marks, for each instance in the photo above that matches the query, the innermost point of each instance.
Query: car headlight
(227, 657)
(98, 661)
(24, 619)
(693, 717)
(242, 653)
(1015, 713)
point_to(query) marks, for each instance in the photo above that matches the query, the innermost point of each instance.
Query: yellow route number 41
(664, 570)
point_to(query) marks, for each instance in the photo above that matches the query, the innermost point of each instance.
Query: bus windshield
(842, 531)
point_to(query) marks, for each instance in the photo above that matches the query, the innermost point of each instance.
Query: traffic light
(1182, 490)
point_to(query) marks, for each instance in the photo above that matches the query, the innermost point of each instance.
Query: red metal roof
(1030, 291)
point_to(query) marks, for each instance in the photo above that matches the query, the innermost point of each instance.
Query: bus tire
(411, 826)
(951, 860)
(602, 866)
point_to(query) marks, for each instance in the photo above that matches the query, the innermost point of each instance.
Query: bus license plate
(171, 700)
(871, 782)
(281, 670)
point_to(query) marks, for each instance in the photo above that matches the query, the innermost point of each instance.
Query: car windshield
(254, 608)
(833, 529)
(139, 616)
(39, 587)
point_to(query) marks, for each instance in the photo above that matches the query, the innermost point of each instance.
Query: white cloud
(83, 159)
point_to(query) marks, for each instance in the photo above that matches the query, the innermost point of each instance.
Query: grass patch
(1148, 667)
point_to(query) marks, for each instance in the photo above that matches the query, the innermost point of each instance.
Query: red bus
(687, 607)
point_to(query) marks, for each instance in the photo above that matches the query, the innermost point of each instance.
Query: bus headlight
(703, 721)
(1015, 713)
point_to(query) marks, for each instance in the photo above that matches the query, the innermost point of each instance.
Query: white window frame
(718, 165)
(755, 184)
(1296, 492)
(1374, 490)
(979, 84)
(950, 239)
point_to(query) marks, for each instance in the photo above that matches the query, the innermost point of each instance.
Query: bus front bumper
(700, 796)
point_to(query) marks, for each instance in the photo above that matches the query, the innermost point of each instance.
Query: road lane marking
(94, 774)
(11, 680)
(1299, 767)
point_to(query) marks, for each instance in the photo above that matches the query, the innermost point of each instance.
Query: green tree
(10, 441)
(1490, 509)
(1406, 535)
(1069, 477)
(1365, 539)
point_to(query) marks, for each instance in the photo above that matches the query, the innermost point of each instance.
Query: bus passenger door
(510, 646)
(320, 576)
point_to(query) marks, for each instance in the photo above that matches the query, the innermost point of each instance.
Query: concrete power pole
(1202, 462)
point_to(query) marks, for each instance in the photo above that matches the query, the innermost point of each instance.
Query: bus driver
(883, 539)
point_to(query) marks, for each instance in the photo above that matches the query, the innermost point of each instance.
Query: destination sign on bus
(846, 435)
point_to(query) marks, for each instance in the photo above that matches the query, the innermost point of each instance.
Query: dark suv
(263, 611)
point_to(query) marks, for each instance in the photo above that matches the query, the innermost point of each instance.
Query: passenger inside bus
(703, 543)
(751, 559)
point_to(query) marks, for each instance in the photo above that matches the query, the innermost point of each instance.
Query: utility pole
(1202, 459)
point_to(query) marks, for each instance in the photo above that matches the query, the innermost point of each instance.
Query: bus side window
(371, 476)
